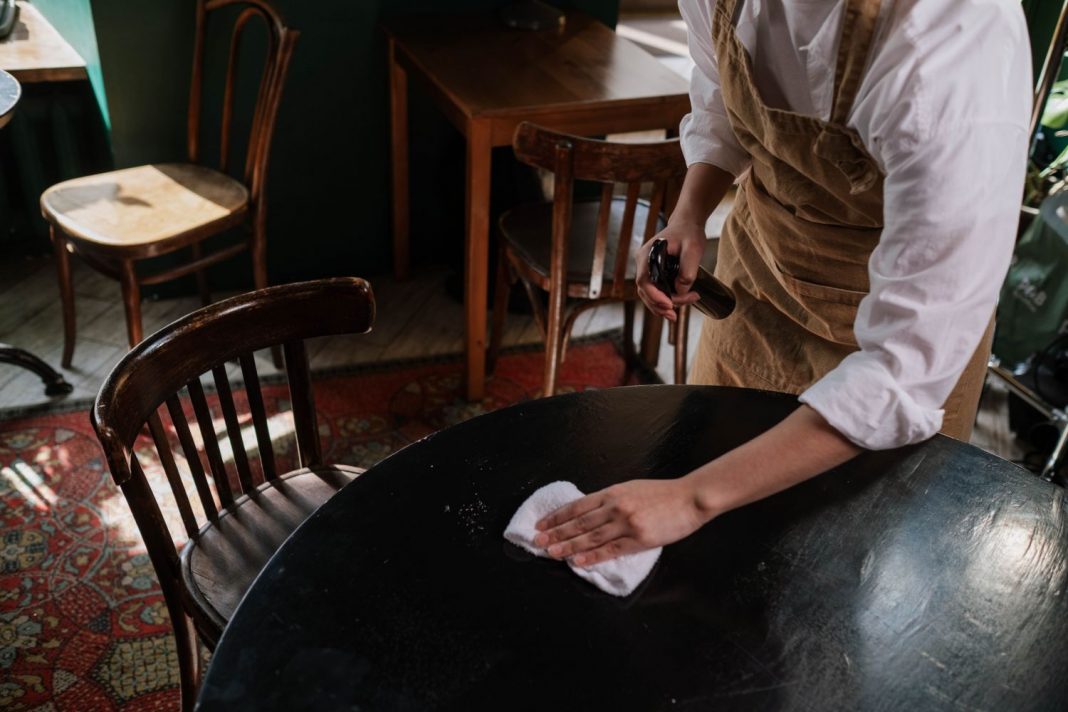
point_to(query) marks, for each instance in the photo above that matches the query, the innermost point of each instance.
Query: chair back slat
(600, 243)
(563, 189)
(174, 478)
(656, 207)
(626, 233)
(305, 422)
(210, 440)
(231, 73)
(192, 458)
(233, 427)
(280, 42)
(259, 416)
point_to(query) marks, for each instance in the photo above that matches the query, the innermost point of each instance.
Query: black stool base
(53, 381)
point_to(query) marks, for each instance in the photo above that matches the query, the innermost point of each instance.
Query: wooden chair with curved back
(248, 507)
(114, 220)
(581, 252)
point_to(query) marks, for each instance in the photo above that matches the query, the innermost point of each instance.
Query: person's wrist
(705, 496)
(687, 221)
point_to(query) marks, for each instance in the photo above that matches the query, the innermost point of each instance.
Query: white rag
(619, 577)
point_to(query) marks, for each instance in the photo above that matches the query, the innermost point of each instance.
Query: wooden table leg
(476, 254)
(398, 103)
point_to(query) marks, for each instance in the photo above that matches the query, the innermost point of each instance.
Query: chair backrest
(150, 378)
(656, 166)
(280, 41)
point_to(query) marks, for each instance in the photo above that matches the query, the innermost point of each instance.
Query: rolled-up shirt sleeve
(705, 133)
(951, 210)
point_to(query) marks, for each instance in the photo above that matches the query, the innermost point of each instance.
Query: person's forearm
(702, 190)
(797, 449)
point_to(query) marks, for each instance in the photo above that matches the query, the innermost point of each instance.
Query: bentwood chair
(115, 220)
(581, 252)
(236, 509)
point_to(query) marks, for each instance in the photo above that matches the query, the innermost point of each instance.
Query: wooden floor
(416, 319)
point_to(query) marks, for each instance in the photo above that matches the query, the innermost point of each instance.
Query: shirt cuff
(862, 401)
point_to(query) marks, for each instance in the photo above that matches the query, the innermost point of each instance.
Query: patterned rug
(83, 625)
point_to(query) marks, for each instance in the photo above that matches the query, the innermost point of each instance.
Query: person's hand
(622, 519)
(687, 240)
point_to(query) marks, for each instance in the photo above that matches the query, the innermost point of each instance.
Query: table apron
(608, 119)
(49, 74)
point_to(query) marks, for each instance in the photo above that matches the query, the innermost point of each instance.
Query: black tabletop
(930, 577)
(10, 91)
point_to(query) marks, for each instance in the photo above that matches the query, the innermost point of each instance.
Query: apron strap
(859, 19)
(731, 8)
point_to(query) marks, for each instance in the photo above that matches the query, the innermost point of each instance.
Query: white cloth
(618, 577)
(944, 108)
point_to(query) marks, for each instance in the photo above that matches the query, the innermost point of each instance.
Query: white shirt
(944, 109)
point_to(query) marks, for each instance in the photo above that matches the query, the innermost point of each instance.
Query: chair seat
(528, 230)
(222, 562)
(145, 210)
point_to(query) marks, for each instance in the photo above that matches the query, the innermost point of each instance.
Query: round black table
(926, 578)
(10, 92)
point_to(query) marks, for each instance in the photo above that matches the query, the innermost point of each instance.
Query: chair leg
(259, 273)
(500, 309)
(131, 299)
(681, 328)
(629, 352)
(66, 293)
(554, 337)
(188, 658)
(202, 277)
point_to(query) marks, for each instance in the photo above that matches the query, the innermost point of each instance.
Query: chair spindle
(626, 232)
(166, 459)
(600, 244)
(192, 458)
(301, 394)
(233, 427)
(211, 442)
(259, 416)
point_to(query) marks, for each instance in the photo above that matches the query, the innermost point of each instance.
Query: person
(879, 150)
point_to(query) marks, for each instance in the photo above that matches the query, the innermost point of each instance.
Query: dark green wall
(328, 194)
(1041, 21)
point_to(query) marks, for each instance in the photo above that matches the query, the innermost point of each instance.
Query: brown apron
(805, 220)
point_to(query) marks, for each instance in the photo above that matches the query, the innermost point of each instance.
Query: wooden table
(486, 78)
(36, 52)
(927, 578)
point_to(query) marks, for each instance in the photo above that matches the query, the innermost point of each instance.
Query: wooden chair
(584, 250)
(249, 508)
(114, 220)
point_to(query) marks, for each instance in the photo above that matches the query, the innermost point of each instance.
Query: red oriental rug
(83, 625)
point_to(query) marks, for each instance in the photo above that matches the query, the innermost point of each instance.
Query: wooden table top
(10, 91)
(487, 69)
(36, 52)
(930, 577)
